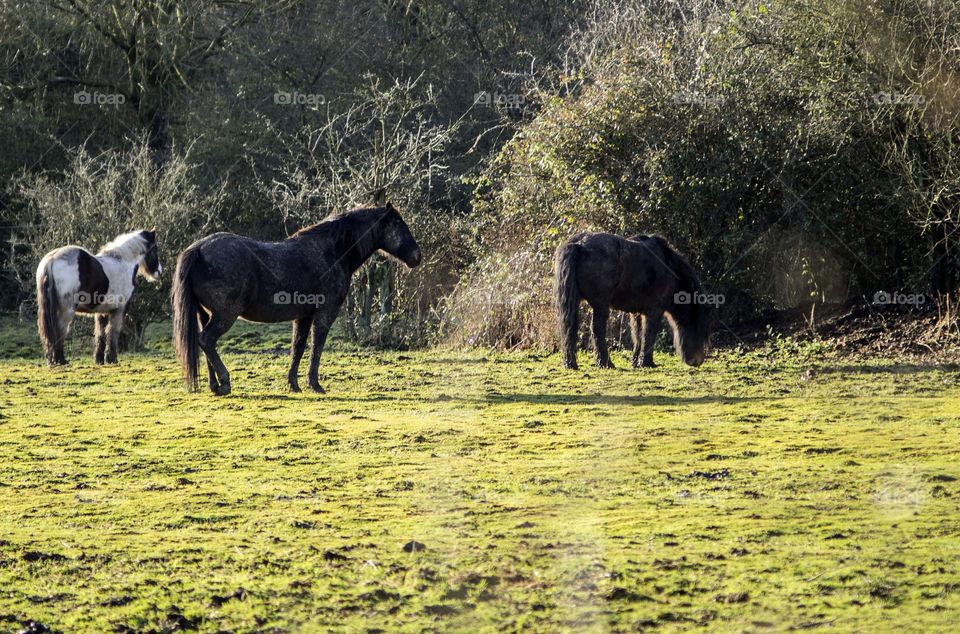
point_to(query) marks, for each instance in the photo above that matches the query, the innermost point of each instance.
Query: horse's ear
(390, 207)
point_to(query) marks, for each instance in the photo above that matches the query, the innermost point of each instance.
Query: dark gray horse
(303, 279)
(643, 276)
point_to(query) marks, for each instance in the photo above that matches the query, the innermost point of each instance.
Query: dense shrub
(795, 150)
(99, 197)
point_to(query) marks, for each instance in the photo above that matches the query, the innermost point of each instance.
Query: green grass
(762, 492)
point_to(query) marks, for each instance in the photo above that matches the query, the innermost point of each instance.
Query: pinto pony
(72, 280)
(303, 279)
(643, 276)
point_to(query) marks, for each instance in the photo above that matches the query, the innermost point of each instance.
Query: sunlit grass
(762, 491)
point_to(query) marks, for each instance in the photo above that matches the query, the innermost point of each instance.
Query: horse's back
(82, 277)
(251, 279)
(598, 266)
(223, 269)
(631, 274)
(61, 265)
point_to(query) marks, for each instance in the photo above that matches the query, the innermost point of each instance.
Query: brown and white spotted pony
(71, 280)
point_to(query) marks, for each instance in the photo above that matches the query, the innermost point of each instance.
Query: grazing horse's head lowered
(691, 317)
(642, 275)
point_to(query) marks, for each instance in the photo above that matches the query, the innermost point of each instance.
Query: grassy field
(439, 491)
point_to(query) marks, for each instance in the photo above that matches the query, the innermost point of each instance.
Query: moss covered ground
(442, 490)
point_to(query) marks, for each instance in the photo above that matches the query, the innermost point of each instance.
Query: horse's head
(692, 324)
(150, 266)
(397, 239)
(692, 314)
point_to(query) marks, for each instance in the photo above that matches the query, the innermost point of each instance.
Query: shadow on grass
(896, 368)
(503, 399)
(617, 399)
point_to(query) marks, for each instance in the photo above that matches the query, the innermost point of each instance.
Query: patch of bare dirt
(855, 329)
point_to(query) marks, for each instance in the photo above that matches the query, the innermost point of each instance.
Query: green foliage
(386, 146)
(801, 149)
(796, 150)
(100, 197)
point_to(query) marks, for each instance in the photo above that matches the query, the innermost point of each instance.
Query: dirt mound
(855, 328)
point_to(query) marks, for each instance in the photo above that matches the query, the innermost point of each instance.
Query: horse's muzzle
(414, 259)
(695, 360)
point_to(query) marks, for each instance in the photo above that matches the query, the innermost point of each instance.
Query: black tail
(568, 301)
(185, 313)
(48, 318)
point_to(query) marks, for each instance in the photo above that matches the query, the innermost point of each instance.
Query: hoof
(222, 390)
(571, 365)
(646, 364)
(605, 365)
(295, 388)
(317, 388)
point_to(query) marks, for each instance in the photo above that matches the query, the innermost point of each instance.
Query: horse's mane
(351, 232)
(125, 246)
(340, 224)
(699, 315)
(673, 259)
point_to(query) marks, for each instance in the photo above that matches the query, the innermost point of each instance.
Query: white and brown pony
(72, 280)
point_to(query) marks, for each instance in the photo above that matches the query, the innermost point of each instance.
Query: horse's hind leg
(648, 336)
(63, 329)
(600, 315)
(321, 326)
(114, 326)
(100, 338)
(216, 326)
(211, 370)
(636, 334)
(301, 328)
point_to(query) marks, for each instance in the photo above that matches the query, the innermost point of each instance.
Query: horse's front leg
(321, 326)
(636, 334)
(100, 338)
(298, 343)
(600, 315)
(114, 327)
(651, 328)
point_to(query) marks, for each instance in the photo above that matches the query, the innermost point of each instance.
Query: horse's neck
(359, 243)
(119, 272)
(124, 255)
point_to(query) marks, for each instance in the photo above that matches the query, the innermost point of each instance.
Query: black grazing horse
(642, 275)
(303, 279)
